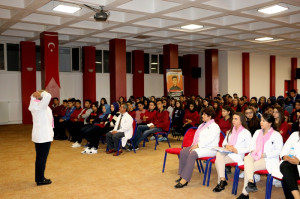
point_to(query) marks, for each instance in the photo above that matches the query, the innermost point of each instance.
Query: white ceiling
(228, 24)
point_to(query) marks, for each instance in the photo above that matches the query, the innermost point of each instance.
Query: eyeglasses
(247, 113)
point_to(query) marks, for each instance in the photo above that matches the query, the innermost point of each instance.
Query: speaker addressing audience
(42, 132)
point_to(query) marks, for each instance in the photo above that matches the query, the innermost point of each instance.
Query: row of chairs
(188, 140)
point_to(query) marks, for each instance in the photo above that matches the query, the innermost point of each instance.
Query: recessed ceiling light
(66, 9)
(272, 9)
(264, 39)
(191, 27)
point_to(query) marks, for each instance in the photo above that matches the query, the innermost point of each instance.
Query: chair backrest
(222, 137)
(189, 137)
(170, 125)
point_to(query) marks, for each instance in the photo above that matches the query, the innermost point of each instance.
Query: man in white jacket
(42, 132)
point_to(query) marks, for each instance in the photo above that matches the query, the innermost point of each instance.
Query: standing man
(123, 129)
(42, 132)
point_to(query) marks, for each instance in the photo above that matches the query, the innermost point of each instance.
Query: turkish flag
(49, 63)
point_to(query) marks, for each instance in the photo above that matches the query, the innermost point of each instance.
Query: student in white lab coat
(237, 141)
(290, 166)
(206, 137)
(265, 148)
(42, 132)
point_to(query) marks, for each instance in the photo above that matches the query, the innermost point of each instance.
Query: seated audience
(282, 125)
(236, 141)
(87, 132)
(131, 110)
(177, 118)
(56, 112)
(242, 104)
(235, 105)
(206, 137)
(149, 114)
(74, 118)
(265, 148)
(296, 110)
(225, 121)
(139, 113)
(218, 111)
(255, 108)
(61, 126)
(191, 118)
(80, 123)
(262, 104)
(170, 109)
(253, 122)
(122, 130)
(160, 123)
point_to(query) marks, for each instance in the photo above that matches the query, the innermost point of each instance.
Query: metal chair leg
(163, 170)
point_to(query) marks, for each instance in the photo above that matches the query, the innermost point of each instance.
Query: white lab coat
(242, 145)
(126, 127)
(272, 149)
(293, 141)
(42, 130)
(208, 138)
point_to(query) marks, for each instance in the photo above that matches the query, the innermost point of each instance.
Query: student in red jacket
(74, 118)
(218, 110)
(160, 122)
(56, 111)
(282, 125)
(243, 104)
(131, 111)
(191, 118)
(149, 114)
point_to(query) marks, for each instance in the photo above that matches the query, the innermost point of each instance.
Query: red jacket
(162, 120)
(284, 131)
(56, 111)
(191, 116)
(218, 116)
(75, 114)
(224, 125)
(243, 107)
(132, 114)
(150, 115)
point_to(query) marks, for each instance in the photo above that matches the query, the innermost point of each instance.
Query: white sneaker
(76, 145)
(152, 138)
(93, 151)
(277, 183)
(86, 151)
(257, 177)
(241, 175)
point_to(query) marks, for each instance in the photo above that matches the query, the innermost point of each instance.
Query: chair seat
(204, 158)
(173, 150)
(159, 133)
(260, 172)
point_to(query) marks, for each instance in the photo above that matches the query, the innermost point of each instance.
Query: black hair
(130, 102)
(105, 102)
(88, 100)
(140, 102)
(78, 101)
(73, 99)
(159, 100)
(65, 100)
(270, 119)
(70, 100)
(55, 98)
(293, 91)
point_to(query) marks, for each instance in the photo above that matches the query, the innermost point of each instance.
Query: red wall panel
(246, 74)
(211, 72)
(272, 75)
(89, 73)
(138, 73)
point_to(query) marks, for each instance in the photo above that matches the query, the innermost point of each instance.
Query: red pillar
(49, 63)
(272, 75)
(28, 77)
(212, 72)
(117, 67)
(89, 73)
(138, 73)
(246, 74)
(190, 84)
(293, 73)
(170, 53)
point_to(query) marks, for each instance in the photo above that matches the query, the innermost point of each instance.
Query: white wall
(283, 72)
(153, 85)
(234, 73)
(102, 86)
(10, 89)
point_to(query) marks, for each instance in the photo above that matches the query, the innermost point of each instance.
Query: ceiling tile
(110, 35)
(130, 29)
(220, 32)
(123, 16)
(157, 22)
(18, 33)
(28, 26)
(44, 19)
(292, 19)
(192, 13)
(228, 20)
(13, 3)
(152, 6)
(193, 37)
(74, 31)
(235, 4)
(163, 33)
(5, 14)
(91, 25)
(255, 26)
